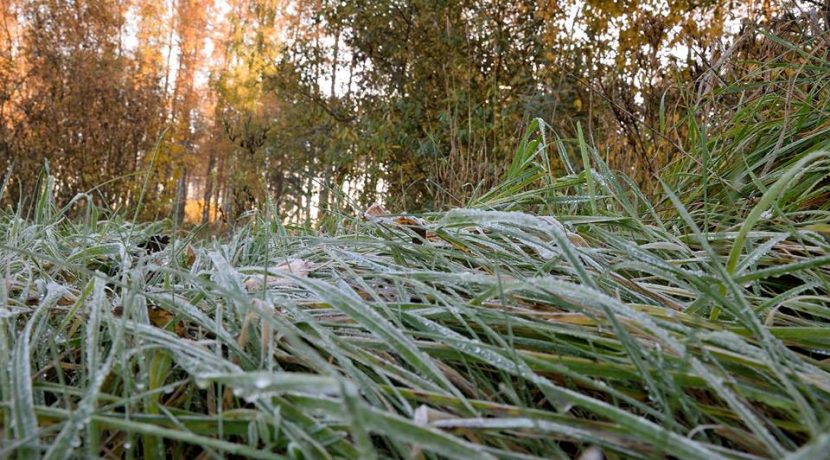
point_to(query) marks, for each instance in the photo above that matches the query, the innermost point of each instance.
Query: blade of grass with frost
(315, 439)
(254, 383)
(658, 435)
(743, 312)
(525, 153)
(357, 424)
(455, 310)
(190, 438)
(253, 386)
(522, 173)
(200, 362)
(44, 205)
(586, 165)
(762, 250)
(816, 448)
(161, 362)
(613, 187)
(779, 270)
(344, 355)
(6, 363)
(767, 200)
(501, 410)
(295, 336)
(93, 352)
(23, 404)
(195, 360)
(715, 382)
(62, 446)
(520, 362)
(403, 430)
(528, 425)
(176, 303)
(487, 219)
(355, 308)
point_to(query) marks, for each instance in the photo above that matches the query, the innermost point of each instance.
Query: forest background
(219, 105)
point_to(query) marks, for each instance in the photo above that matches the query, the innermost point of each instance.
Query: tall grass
(557, 316)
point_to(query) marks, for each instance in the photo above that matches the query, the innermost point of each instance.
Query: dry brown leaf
(190, 256)
(375, 210)
(414, 224)
(159, 317)
(577, 240)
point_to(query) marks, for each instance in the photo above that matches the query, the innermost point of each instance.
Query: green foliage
(430, 97)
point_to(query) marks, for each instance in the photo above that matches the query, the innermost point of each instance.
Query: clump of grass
(541, 322)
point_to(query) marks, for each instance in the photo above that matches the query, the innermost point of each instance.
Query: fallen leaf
(375, 210)
(296, 267)
(190, 256)
(414, 224)
(577, 240)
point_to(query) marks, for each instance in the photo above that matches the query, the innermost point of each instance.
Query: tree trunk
(323, 205)
(208, 188)
(181, 198)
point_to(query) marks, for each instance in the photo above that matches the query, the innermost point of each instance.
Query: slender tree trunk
(181, 198)
(208, 187)
(323, 205)
(221, 184)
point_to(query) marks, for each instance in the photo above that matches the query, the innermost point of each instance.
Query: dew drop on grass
(261, 382)
(128, 445)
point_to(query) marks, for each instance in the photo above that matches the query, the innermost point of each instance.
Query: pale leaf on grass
(295, 267)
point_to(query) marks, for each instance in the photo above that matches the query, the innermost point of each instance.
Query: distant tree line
(319, 105)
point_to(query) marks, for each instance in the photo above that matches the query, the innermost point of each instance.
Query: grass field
(554, 317)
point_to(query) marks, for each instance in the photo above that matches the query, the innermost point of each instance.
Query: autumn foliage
(204, 109)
